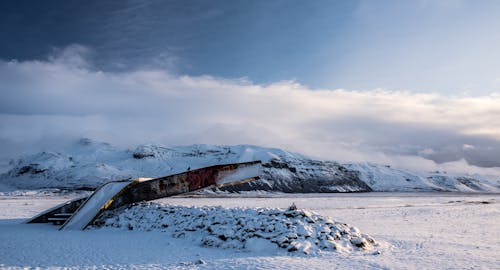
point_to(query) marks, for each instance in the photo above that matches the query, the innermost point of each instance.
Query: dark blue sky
(447, 46)
(263, 40)
(422, 46)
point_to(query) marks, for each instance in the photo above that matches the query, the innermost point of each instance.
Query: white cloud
(74, 55)
(466, 147)
(64, 98)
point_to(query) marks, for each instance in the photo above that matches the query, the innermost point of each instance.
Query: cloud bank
(46, 102)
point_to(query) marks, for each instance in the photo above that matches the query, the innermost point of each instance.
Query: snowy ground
(420, 230)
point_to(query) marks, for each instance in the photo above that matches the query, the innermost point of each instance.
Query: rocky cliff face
(305, 176)
(88, 164)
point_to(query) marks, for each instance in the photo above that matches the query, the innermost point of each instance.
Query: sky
(414, 84)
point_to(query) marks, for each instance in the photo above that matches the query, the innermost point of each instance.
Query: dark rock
(32, 168)
(142, 155)
(313, 176)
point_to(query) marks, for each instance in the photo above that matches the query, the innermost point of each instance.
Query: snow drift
(241, 228)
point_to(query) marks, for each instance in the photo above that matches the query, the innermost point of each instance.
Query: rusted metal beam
(147, 189)
(208, 177)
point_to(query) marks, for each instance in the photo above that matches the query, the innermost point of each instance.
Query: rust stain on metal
(178, 184)
(156, 188)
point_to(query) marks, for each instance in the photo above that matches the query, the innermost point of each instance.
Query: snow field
(414, 231)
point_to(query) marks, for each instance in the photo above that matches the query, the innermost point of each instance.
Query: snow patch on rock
(388, 179)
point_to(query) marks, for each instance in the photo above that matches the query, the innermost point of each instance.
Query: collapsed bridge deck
(79, 213)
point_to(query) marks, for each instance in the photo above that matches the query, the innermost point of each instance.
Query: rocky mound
(242, 228)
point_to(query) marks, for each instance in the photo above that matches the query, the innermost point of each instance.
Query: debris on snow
(242, 228)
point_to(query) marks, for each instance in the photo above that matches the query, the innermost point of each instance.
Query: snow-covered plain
(415, 231)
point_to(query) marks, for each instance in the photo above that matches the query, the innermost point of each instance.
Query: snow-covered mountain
(87, 164)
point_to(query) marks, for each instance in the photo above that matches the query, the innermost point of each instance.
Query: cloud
(74, 55)
(64, 98)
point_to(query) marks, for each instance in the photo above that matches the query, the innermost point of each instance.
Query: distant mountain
(87, 164)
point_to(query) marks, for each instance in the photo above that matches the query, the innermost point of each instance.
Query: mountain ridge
(87, 164)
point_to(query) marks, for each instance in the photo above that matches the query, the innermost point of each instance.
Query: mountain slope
(87, 164)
